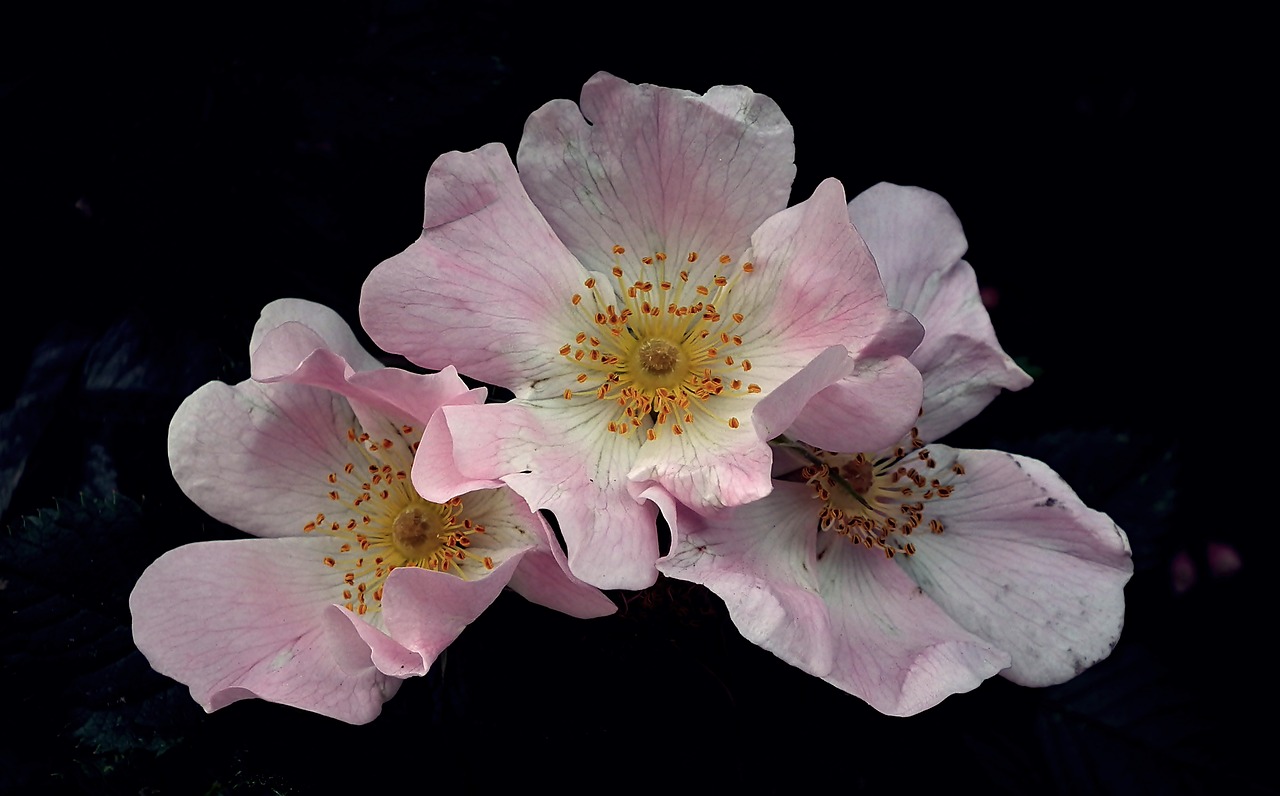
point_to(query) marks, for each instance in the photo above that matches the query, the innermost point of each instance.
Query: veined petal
(245, 618)
(713, 464)
(868, 410)
(426, 610)
(255, 455)
(325, 329)
(918, 242)
(815, 285)
(375, 394)
(1024, 564)
(543, 575)
(656, 169)
(761, 560)
(962, 374)
(894, 647)
(915, 236)
(559, 456)
(779, 409)
(300, 342)
(710, 465)
(486, 288)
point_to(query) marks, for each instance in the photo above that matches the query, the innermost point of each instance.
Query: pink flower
(655, 308)
(917, 572)
(357, 582)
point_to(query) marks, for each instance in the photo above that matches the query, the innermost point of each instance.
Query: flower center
(878, 501)
(657, 357)
(418, 531)
(661, 351)
(384, 524)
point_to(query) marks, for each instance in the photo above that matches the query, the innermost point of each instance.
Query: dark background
(167, 171)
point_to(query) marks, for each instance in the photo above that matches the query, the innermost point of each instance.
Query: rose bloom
(357, 581)
(657, 311)
(913, 572)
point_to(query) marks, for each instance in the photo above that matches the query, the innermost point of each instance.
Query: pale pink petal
(815, 285)
(894, 647)
(780, 408)
(300, 342)
(713, 465)
(486, 288)
(426, 610)
(436, 473)
(1023, 563)
(918, 242)
(246, 618)
(761, 560)
(327, 330)
(657, 169)
(869, 410)
(962, 374)
(558, 456)
(710, 465)
(376, 395)
(543, 575)
(256, 456)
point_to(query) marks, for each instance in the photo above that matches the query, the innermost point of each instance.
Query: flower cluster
(771, 380)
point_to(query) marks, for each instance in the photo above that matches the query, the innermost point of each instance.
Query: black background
(168, 171)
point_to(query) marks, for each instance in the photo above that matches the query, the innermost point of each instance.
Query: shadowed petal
(292, 353)
(561, 457)
(917, 242)
(255, 456)
(894, 647)
(815, 285)
(325, 329)
(543, 575)
(760, 559)
(1026, 565)
(245, 618)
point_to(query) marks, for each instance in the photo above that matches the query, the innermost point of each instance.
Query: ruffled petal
(560, 457)
(761, 560)
(376, 395)
(325, 330)
(487, 286)
(256, 456)
(815, 285)
(656, 169)
(543, 578)
(894, 647)
(710, 465)
(918, 242)
(300, 342)
(1024, 564)
(239, 619)
(425, 610)
(543, 575)
(713, 465)
(870, 409)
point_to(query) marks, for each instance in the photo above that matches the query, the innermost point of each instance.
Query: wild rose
(357, 582)
(655, 308)
(908, 574)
